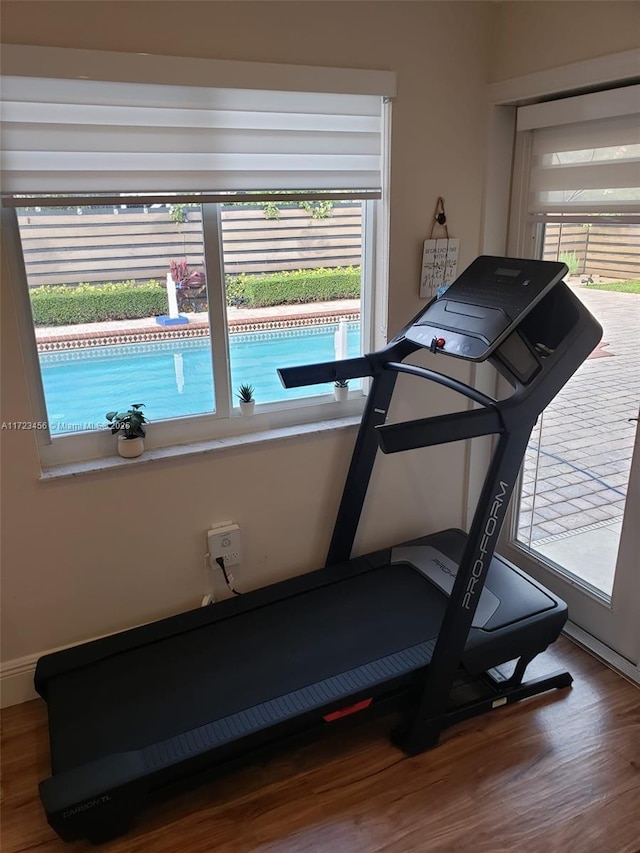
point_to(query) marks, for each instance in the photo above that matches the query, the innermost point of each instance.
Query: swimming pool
(175, 378)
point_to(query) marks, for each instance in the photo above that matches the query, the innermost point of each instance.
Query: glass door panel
(576, 471)
(573, 523)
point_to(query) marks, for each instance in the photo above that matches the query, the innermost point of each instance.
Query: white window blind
(75, 136)
(584, 166)
(80, 121)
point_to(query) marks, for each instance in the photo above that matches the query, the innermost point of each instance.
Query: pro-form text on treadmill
(491, 528)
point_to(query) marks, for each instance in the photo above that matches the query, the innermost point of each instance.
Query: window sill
(92, 466)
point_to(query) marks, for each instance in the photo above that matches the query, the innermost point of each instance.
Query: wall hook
(439, 217)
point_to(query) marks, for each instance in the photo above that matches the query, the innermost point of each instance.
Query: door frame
(504, 98)
(617, 629)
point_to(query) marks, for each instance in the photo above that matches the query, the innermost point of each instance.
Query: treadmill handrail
(427, 432)
(325, 371)
(442, 379)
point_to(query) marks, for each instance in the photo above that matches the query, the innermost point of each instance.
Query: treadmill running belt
(171, 686)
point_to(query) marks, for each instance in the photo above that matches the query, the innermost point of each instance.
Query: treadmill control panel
(484, 305)
(462, 345)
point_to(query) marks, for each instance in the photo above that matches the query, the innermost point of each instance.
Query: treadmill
(437, 630)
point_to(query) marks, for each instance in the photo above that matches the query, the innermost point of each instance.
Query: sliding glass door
(575, 523)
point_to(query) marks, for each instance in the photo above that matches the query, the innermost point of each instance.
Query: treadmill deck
(205, 678)
(390, 615)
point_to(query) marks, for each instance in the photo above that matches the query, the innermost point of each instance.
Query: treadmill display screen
(483, 305)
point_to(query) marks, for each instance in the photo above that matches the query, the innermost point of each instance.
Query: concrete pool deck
(113, 332)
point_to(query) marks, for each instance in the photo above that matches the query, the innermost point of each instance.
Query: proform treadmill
(418, 628)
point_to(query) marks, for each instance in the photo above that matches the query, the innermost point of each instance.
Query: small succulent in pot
(341, 389)
(247, 400)
(245, 393)
(129, 423)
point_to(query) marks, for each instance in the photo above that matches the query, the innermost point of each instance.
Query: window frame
(225, 422)
(137, 68)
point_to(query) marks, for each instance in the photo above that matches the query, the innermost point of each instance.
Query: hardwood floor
(557, 773)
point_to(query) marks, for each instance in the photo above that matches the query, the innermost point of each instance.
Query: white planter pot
(341, 394)
(130, 447)
(247, 407)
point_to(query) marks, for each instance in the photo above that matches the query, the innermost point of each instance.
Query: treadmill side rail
(100, 798)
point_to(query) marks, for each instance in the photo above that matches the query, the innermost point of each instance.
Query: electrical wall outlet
(224, 541)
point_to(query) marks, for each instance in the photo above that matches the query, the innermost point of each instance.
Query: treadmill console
(484, 305)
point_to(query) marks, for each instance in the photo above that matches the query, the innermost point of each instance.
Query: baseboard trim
(16, 676)
(16, 681)
(612, 659)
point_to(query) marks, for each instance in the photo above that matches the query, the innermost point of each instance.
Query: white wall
(76, 562)
(536, 36)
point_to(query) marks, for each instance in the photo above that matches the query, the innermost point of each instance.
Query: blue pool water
(174, 378)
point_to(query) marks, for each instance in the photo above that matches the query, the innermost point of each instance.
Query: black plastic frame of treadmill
(568, 333)
(121, 782)
(483, 651)
(448, 660)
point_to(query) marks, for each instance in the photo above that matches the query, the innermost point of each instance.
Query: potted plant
(130, 426)
(341, 389)
(247, 400)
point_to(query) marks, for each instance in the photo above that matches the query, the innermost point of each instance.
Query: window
(176, 241)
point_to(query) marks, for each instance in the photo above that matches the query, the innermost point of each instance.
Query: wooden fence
(111, 245)
(63, 247)
(610, 251)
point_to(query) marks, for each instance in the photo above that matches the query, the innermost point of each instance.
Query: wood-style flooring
(557, 774)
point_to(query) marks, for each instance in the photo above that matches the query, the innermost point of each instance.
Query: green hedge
(317, 285)
(86, 303)
(90, 303)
